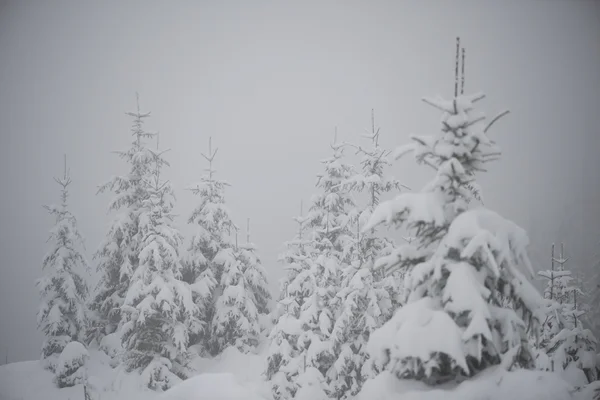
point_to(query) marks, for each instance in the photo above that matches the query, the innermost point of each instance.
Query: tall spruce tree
(564, 341)
(368, 297)
(331, 219)
(63, 315)
(158, 309)
(118, 255)
(284, 359)
(593, 318)
(236, 321)
(453, 324)
(212, 225)
(255, 274)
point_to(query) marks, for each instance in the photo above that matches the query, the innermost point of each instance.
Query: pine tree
(118, 254)
(212, 223)
(453, 324)
(301, 338)
(284, 360)
(330, 217)
(158, 309)
(236, 320)
(593, 317)
(368, 297)
(556, 292)
(255, 274)
(564, 340)
(63, 315)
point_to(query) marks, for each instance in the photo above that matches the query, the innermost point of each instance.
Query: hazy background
(269, 81)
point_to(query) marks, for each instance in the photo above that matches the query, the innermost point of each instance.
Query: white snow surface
(496, 384)
(239, 374)
(210, 386)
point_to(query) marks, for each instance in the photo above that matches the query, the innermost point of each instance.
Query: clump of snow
(590, 392)
(111, 344)
(70, 367)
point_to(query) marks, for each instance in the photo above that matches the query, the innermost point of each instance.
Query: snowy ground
(29, 381)
(234, 376)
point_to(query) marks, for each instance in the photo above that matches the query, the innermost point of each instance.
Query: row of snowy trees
(156, 304)
(451, 302)
(332, 298)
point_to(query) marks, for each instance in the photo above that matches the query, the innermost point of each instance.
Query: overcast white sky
(269, 81)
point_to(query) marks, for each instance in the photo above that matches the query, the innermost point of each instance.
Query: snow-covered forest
(450, 302)
(401, 273)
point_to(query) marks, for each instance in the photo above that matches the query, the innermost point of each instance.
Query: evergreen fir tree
(331, 219)
(368, 298)
(593, 316)
(212, 225)
(453, 324)
(158, 309)
(236, 322)
(255, 274)
(564, 340)
(284, 360)
(63, 315)
(118, 254)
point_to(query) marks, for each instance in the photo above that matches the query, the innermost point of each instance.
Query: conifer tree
(367, 297)
(593, 317)
(63, 315)
(330, 217)
(564, 340)
(158, 309)
(212, 225)
(255, 274)
(118, 255)
(453, 324)
(284, 359)
(236, 320)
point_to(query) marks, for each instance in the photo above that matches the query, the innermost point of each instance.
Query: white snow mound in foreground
(497, 384)
(221, 386)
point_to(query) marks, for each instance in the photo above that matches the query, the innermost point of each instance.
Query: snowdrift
(237, 376)
(219, 386)
(231, 376)
(490, 385)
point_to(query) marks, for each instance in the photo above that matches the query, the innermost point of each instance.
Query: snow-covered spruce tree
(255, 275)
(158, 309)
(453, 324)
(63, 315)
(593, 317)
(212, 225)
(330, 217)
(564, 340)
(367, 297)
(284, 360)
(236, 320)
(118, 254)
(373, 181)
(556, 294)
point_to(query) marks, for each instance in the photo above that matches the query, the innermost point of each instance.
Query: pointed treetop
(456, 67)
(300, 220)
(462, 84)
(248, 231)
(66, 180)
(210, 157)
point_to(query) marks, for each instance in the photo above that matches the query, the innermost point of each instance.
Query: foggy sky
(269, 81)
